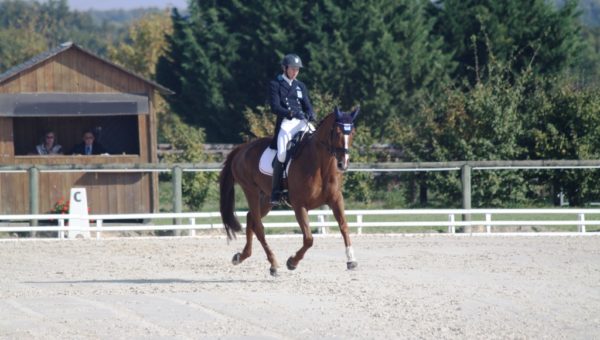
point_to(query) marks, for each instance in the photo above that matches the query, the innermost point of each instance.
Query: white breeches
(288, 129)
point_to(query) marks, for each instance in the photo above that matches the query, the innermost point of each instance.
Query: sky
(82, 5)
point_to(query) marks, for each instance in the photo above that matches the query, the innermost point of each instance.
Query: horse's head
(341, 137)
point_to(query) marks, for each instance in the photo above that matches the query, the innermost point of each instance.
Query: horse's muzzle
(342, 165)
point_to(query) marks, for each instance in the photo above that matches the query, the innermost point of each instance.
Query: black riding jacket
(290, 101)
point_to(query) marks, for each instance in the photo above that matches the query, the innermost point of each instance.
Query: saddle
(268, 157)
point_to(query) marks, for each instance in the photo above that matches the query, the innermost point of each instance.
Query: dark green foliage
(482, 123)
(563, 123)
(189, 140)
(527, 34)
(588, 71)
(199, 70)
(379, 54)
(374, 53)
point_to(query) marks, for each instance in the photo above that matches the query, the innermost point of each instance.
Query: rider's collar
(287, 80)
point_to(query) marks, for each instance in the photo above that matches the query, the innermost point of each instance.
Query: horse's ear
(338, 114)
(355, 113)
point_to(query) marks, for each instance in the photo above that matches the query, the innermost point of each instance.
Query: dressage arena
(419, 286)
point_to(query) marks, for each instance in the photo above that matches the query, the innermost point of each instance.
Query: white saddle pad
(265, 165)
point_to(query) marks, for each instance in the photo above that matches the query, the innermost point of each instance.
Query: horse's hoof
(289, 264)
(236, 259)
(352, 265)
(273, 272)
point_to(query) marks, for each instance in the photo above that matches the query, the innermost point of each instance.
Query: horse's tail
(227, 199)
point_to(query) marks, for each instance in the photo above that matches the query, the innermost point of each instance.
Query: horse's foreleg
(302, 218)
(338, 211)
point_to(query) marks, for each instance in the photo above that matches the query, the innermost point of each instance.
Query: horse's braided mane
(305, 140)
(322, 121)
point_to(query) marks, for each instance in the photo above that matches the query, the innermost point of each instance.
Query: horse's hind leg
(247, 252)
(258, 208)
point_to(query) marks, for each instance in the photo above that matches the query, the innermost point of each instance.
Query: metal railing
(486, 218)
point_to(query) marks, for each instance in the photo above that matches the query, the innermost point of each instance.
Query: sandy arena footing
(428, 286)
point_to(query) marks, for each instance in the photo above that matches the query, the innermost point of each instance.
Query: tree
(18, 45)
(28, 28)
(563, 123)
(480, 123)
(526, 33)
(197, 68)
(146, 44)
(377, 53)
(189, 140)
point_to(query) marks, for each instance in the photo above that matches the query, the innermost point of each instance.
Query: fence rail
(192, 222)
(177, 169)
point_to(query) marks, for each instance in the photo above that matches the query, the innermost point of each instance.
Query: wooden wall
(74, 71)
(107, 192)
(7, 150)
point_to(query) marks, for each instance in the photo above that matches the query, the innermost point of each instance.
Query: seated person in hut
(48, 146)
(89, 146)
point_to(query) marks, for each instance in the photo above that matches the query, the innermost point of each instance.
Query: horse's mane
(309, 137)
(322, 121)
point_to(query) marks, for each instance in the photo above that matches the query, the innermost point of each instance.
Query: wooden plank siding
(107, 192)
(6, 140)
(74, 71)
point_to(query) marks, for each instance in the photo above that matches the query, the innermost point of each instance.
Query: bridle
(336, 151)
(347, 130)
(344, 122)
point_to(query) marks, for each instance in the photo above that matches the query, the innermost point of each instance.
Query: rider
(289, 101)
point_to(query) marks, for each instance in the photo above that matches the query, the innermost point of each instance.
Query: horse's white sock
(350, 254)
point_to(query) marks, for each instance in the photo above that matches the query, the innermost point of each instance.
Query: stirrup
(275, 198)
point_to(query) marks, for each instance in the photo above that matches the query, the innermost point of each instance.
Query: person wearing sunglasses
(49, 145)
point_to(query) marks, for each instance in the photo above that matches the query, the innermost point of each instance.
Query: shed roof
(18, 69)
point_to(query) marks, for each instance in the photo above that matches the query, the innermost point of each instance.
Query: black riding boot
(276, 191)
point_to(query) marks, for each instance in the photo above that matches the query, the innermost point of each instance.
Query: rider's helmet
(292, 60)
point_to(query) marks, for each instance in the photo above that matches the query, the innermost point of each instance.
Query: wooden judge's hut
(68, 90)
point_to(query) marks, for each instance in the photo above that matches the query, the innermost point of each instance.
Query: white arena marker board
(78, 206)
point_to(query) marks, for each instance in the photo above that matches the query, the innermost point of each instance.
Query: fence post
(34, 199)
(322, 229)
(192, 222)
(176, 179)
(98, 229)
(451, 226)
(61, 233)
(581, 226)
(465, 178)
(488, 218)
(359, 221)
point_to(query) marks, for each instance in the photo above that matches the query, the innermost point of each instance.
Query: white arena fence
(448, 219)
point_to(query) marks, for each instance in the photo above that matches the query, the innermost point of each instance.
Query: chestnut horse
(314, 179)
